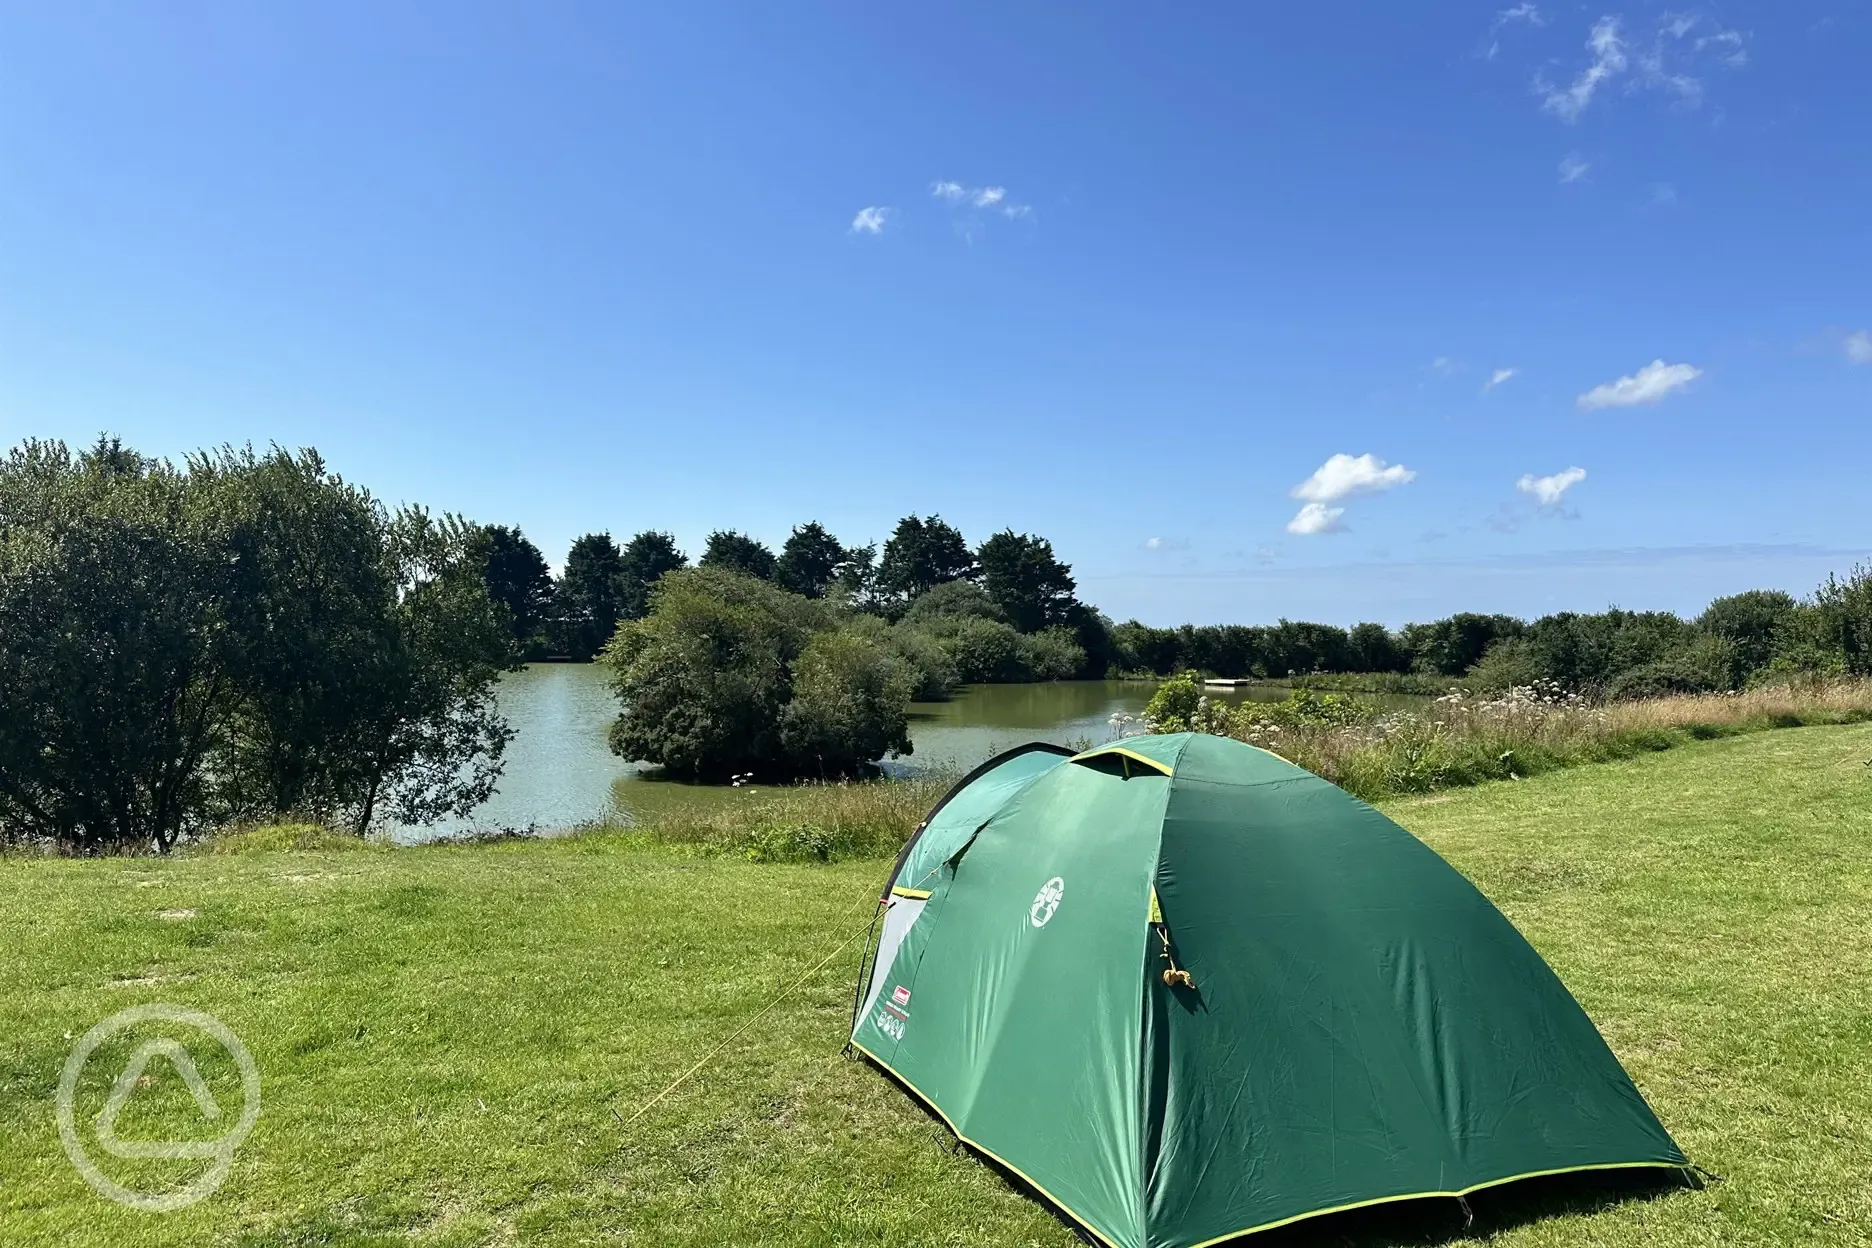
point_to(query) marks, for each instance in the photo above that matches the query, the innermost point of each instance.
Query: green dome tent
(1188, 991)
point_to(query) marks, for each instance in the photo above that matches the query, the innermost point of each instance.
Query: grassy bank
(1462, 739)
(453, 1041)
(806, 823)
(1455, 742)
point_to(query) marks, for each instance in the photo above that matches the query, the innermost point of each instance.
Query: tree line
(244, 637)
(1006, 609)
(1752, 637)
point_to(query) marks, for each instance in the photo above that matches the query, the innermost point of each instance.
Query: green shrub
(1305, 707)
(983, 651)
(932, 671)
(953, 600)
(1509, 663)
(730, 674)
(1180, 705)
(1053, 654)
(850, 704)
(1661, 679)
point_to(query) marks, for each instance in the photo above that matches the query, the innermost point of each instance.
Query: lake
(560, 773)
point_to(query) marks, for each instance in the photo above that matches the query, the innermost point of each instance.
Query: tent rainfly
(1188, 991)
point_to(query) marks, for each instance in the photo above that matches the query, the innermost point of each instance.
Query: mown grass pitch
(452, 1041)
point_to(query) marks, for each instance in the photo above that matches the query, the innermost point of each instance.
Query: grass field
(452, 1041)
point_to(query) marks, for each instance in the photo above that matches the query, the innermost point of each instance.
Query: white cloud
(1548, 491)
(983, 199)
(1443, 364)
(1859, 347)
(1609, 60)
(1496, 378)
(1647, 385)
(1573, 167)
(1663, 194)
(871, 220)
(1166, 543)
(1677, 25)
(1663, 62)
(1345, 475)
(1689, 91)
(1316, 518)
(1728, 45)
(1503, 17)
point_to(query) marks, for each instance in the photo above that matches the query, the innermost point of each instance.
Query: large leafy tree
(113, 648)
(855, 585)
(1031, 586)
(430, 742)
(737, 552)
(921, 554)
(1845, 606)
(643, 562)
(1748, 621)
(246, 637)
(810, 560)
(1451, 646)
(518, 579)
(1375, 648)
(590, 596)
(308, 612)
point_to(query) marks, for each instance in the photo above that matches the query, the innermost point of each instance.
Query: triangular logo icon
(178, 1057)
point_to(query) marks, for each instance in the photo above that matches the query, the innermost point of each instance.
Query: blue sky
(1129, 276)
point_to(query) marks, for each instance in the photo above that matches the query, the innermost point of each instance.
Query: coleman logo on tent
(1046, 901)
(901, 995)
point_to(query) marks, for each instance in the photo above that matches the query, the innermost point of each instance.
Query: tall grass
(808, 822)
(1461, 739)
